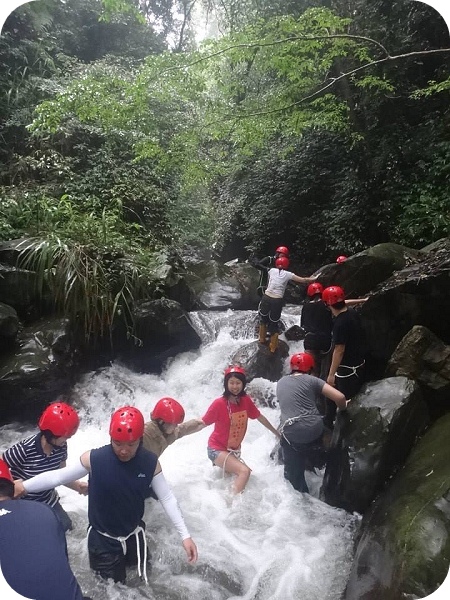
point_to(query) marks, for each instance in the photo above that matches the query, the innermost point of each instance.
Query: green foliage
(252, 136)
(424, 207)
(89, 284)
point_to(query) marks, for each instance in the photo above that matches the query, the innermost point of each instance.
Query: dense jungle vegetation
(319, 124)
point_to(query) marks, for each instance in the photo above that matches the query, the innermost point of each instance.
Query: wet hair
(239, 376)
(6, 488)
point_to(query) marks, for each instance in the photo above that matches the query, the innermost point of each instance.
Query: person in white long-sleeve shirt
(121, 477)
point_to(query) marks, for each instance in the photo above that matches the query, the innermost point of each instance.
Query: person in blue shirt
(33, 551)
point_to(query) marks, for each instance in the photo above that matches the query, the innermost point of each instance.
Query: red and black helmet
(169, 411)
(302, 362)
(314, 288)
(333, 294)
(282, 262)
(233, 370)
(341, 259)
(127, 424)
(5, 473)
(282, 250)
(60, 419)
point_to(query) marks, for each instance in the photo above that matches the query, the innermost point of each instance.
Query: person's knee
(244, 471)
(109, 566)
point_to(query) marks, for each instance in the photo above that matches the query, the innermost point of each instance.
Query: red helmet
(5, 473)
(333, 294)
(302, 362)
(282, 262)
(233, 370)
(169, 411)
(314, 288)
(341, 259)
(59, 418)
(127, 424)
(282, 250)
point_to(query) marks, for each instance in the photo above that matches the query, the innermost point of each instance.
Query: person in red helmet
(341, 259)
(316, 321)
(272, 301)
(230, 414)
(33, 550)
(346, 371)
(301, 423)
(167, 425)
(45, 451)
(267, 263)
(122, 475)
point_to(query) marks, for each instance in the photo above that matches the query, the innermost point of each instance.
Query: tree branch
(335, 80)
(360, 38)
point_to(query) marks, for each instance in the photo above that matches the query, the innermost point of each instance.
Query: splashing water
(270, 543)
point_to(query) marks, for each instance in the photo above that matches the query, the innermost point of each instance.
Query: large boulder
(416, 295)
(404, 545)
(42, 366)
(220, 287)
(422, 356)
(360, 273)
(162, 330)
(371, 440)
(9, 322)
(18, 289)
(258, 361)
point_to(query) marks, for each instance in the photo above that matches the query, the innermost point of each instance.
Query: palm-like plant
(90, 289)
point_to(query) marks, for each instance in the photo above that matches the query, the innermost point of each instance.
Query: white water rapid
(270, 543)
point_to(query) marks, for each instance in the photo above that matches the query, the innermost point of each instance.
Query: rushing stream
(271, 543)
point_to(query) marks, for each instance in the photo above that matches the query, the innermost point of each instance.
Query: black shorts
(106, 555)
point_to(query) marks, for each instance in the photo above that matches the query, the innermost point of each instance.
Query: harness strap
(123, 539)
(236, 454)
(290, 421)
(352, 369)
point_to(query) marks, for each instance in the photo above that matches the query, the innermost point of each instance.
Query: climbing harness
(354, 370)
(123, 539)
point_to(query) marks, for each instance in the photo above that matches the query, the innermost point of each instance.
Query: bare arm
(299, 279)
(354, 301)
(262, 419)
(335, 395)
(338, 353)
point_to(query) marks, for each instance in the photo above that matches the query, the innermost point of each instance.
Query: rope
(353, 370)
(123, 539)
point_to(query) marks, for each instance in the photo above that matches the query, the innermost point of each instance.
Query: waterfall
(270, 543)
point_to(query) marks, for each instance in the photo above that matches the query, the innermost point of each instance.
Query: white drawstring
(122, 539)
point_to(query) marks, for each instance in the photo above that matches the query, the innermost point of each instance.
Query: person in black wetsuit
(317, 322)
(346, 372)
(33, 551)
